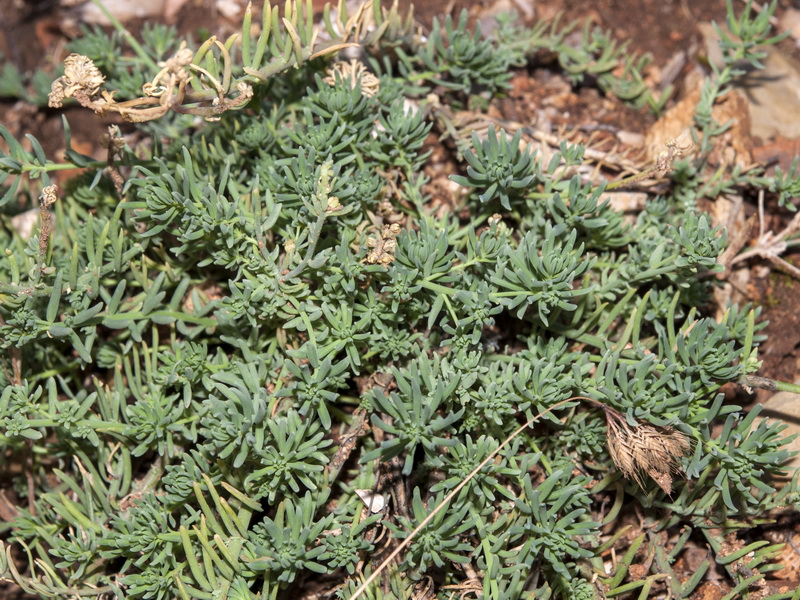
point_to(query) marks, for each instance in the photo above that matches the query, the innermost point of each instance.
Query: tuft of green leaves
(498, 168)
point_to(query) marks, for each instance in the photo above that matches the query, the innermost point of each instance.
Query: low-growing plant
(252, 353)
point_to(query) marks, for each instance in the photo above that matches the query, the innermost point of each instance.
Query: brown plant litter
(645, 450)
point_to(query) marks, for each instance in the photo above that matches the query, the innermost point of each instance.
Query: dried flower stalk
(80, 76)
(83, 81)
(381, 250)
(49, 198)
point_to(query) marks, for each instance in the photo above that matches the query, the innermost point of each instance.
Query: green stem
(313, 238)
(439, 289)
(96, 164)
(631, 179)
(127, 35)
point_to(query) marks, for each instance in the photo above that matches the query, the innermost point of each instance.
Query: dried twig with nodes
(183, 86)
(82, 80)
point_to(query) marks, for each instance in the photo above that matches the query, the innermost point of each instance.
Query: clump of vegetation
(249, 354)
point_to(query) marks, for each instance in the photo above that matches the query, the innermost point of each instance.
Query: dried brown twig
(459, 125)
(83, 81)
(769, 246)
(48, 198)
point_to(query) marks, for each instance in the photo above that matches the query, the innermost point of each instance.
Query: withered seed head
(80, 74)
(645, 450)
(354, 70)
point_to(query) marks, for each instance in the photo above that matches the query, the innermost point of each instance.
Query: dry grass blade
(360, 590)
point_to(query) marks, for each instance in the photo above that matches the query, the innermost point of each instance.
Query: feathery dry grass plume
(645, 449)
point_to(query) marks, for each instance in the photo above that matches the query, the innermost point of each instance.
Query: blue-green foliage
(463, 60)
(439, 543)
(498, 168)
(274, 316)
(285, 546)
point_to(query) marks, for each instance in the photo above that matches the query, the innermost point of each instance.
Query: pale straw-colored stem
(360, 590)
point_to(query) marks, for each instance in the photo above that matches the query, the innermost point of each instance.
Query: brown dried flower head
(173, 72)
(675, 148)
(80, 75)
(382, 249)
(645, 450)
(49, 195)
(354, 70)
